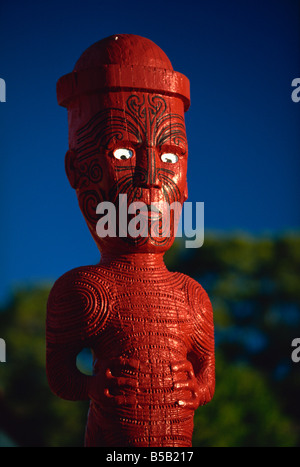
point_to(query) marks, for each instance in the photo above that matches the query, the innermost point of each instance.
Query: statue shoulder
(201, 315)
(77, 305)
(196, 295)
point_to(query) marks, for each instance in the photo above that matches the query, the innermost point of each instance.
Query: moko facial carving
(150, 330)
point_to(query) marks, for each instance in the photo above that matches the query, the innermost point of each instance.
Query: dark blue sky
(243, 127)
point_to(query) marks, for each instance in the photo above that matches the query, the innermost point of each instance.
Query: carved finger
(125, 382)
(190, 404)
(119, 400)
(188, 384)
(184, 365)
(125, 400)
(108, 374)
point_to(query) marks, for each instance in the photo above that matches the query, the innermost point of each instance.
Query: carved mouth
(142, 219)
(147, 213)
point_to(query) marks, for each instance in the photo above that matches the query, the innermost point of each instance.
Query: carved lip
(149, 211)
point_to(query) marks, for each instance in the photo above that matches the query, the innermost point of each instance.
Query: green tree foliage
(243, 413)
(254, 287)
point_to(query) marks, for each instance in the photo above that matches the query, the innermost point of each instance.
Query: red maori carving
(150, 330)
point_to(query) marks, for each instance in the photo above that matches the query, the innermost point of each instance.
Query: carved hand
(108, 390)
(187, 381)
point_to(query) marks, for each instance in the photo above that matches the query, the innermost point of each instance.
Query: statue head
(127, 141)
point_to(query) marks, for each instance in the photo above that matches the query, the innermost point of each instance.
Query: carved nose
(146, 172)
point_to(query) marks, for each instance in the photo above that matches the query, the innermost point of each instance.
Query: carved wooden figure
(150, 330)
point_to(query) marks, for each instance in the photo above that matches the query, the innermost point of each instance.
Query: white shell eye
(123, 153)
(169, 157)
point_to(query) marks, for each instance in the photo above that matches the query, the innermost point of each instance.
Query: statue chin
(129, 245)
(150, 230)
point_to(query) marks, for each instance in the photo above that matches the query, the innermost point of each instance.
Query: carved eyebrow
(174, 132)
(102, 129)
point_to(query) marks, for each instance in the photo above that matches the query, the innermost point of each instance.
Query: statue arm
(203, 353)
(65, 380)
(73, 317)
(196, 373)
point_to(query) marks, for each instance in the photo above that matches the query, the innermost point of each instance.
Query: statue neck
(142, 261)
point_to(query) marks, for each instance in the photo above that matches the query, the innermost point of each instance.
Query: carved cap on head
(123, 62)
(123, 49)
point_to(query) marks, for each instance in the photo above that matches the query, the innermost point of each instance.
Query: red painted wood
(150, 330)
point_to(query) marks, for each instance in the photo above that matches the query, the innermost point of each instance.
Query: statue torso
(145, 319)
